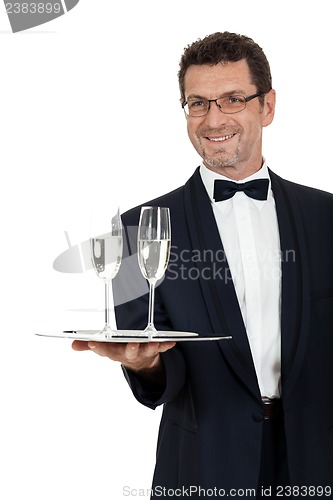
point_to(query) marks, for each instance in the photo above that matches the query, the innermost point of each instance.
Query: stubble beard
(220, 159)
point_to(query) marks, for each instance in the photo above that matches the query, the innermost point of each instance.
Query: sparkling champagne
(106, 254)
(153, 258)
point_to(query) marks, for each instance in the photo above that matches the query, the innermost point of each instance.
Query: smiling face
(228, 144)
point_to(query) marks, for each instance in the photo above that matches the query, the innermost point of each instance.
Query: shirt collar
(208, 178)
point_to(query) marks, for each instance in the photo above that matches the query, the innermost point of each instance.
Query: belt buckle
(272, 408)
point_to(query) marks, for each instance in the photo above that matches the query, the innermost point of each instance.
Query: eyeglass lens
(228, 104)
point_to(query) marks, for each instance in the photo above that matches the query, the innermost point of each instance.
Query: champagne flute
(154, 242)
(106, 253)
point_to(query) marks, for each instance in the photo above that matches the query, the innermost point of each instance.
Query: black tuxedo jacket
(211, 428)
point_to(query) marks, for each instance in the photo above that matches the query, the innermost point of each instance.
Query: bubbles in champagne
(153, 258)
(106, 252)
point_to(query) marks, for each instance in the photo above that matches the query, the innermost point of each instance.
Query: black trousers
(274, 463)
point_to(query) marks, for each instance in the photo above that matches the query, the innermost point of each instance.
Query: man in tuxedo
(252, 260)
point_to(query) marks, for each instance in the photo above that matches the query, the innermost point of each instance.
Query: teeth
(220, 139)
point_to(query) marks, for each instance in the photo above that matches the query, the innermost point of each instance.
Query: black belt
(272, 408)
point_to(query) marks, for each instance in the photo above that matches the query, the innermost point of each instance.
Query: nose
(215, 118)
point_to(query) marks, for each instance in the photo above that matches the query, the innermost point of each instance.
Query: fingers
(101, 348)
(144, 356)
(165, 346)
(79, 345)
(132, 354)
(110, 350)
(145, 352)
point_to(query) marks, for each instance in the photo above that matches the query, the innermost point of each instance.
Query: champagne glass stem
(107, 304)
(150, 327)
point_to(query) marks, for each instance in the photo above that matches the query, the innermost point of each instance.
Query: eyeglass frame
(246, 99)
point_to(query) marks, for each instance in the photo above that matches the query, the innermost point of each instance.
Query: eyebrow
(226, 94)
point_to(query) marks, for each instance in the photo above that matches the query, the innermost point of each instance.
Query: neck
(235, 172)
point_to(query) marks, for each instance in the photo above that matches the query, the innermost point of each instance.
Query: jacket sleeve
(149, 395)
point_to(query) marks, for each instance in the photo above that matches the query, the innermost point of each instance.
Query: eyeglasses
(230, 104)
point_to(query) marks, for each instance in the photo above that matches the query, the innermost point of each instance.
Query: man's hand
(138, 357)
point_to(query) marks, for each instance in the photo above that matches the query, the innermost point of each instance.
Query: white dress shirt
(250, 237)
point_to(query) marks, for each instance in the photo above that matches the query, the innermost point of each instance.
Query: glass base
(107, 333)
(150, 332)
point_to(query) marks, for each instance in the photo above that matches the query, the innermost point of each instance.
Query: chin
(219, 163)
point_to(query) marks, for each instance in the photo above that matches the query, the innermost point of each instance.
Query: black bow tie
(257, 189)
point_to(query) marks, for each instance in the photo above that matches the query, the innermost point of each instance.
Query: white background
(70, 428)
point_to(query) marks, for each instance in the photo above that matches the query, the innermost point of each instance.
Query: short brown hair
(227, 47)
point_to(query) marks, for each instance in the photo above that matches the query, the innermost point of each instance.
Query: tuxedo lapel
(295, 282)
(217, 287)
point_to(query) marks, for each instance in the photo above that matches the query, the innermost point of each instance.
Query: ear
(269, 108)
